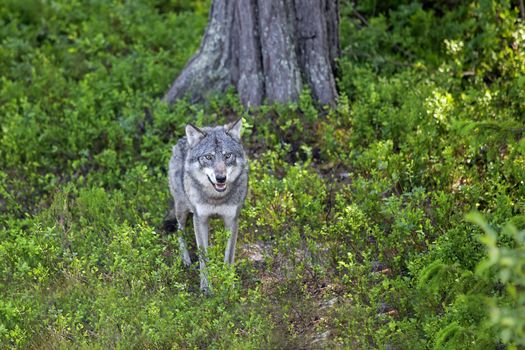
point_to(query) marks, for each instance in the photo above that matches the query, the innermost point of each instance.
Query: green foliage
(505, 263)
(354, 232)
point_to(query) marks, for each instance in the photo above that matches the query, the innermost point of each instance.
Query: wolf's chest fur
(211, 210)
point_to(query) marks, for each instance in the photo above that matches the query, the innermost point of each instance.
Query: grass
(354, 232)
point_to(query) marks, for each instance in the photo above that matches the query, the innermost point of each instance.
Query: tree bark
(269, 50)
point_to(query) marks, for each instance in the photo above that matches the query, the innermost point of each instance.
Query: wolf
(208, 177)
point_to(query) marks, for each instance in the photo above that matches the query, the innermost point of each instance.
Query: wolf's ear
(194, 134)
(234, 129)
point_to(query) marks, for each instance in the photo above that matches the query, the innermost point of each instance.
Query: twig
(330, 193)
(363, 19)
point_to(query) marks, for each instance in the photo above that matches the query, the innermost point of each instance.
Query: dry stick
(361, 18)
(332, 181)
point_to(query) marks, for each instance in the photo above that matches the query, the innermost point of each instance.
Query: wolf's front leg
(182, 216)
(183, 247)
(231, 224)
(201, 225)
(180, 219)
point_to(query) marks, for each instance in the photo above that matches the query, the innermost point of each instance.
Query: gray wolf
(208, 177)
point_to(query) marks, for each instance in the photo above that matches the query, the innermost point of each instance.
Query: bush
(353, 234)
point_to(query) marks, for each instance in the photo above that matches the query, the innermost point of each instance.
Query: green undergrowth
(355, 232)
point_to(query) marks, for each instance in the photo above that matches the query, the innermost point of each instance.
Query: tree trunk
(269, 50)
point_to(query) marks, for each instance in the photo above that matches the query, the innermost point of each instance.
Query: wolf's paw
(206, 287)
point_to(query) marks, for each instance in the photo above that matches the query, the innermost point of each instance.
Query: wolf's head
(216, 157)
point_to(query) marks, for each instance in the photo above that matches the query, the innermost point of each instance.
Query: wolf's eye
(208, 156)
(228, 155)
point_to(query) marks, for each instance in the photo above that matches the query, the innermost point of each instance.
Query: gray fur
(199, 163)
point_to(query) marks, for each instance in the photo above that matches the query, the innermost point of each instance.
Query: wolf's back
(176, 168)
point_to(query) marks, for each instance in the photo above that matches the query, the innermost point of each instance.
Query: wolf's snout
(220, 178)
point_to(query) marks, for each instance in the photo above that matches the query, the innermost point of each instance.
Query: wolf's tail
(170, 223)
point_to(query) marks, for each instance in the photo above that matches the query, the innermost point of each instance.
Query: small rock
(328, 304)
(321, 337)
(255, 253)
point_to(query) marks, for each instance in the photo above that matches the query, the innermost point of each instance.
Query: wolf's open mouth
(218, 187)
